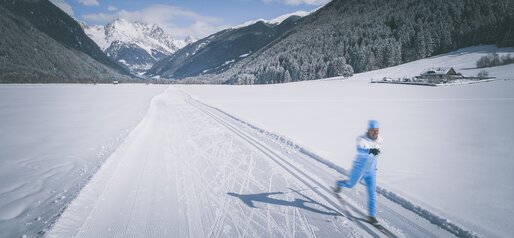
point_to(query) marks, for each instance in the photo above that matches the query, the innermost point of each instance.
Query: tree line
(348, 36)
(494, 59)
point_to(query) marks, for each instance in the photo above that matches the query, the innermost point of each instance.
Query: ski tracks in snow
(190, 170)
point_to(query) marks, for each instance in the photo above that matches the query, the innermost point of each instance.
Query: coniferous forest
(352, 36)
(42, 44)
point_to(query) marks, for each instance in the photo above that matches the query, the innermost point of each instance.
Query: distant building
(439, 75)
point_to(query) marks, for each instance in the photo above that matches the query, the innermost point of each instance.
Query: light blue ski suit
(364, 167)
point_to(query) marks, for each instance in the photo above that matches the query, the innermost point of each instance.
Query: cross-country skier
(364, 167)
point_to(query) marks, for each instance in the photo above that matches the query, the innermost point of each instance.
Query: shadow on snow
(300, 203)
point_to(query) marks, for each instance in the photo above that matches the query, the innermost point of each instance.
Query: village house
(439, 75)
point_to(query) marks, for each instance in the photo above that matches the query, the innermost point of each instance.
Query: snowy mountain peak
(135, 44)
(146, 36)
(280, 19)
(276, 20)
(97, 34)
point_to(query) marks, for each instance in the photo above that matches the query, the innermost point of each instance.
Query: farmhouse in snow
(439, 75)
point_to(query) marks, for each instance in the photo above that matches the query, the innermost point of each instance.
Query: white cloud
(177, 21)
(299, 2)
(63, 5)
(112, 8)
(98, 17)
(198, 29)
(89, 2)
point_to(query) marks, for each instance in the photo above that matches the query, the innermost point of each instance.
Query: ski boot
(373, 221)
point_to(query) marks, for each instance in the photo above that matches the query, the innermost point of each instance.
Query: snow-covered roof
(438, 70)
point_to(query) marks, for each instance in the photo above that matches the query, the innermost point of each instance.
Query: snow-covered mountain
(367, 35)
(219, 51)
(276, 20)
(137, 45)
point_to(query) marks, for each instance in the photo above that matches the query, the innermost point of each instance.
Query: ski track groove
(234, 170)
(405, 220)
(177, 180)
(110, 180)
(269, 219)
(216, 227)
(189, 187)
(241, 210)
(220, 218)
(193, 203)
(268, 212)
(139, 181)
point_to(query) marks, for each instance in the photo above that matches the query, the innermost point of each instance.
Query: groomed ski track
(190, 170)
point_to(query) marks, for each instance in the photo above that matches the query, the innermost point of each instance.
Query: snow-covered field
(52, 139)
(205, 161)
(448, 149)
(189, 170)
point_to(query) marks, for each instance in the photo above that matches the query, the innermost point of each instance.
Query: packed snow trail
(188, 170)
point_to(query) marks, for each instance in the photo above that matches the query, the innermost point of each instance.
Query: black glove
(374, 151)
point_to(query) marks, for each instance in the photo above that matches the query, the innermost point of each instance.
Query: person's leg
(370, 180)
(355, 175)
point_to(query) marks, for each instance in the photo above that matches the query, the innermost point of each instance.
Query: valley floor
(189, 170)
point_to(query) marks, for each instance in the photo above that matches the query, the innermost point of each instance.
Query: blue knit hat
(372, 124)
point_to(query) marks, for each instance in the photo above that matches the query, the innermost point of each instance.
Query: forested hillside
(218, 52)
(372, 34)
(40, 43)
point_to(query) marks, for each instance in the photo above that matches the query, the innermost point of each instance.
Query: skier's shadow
(249, 200)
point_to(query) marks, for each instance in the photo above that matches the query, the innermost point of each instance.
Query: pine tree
(287, 77)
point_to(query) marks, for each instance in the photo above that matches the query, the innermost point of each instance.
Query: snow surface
(189, 170)
(201, 45)
(237, 161)
(448, 149)
(52, 139)
(245, 55)
(229, 62)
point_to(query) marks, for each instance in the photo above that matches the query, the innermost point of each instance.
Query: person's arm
(376, 150)
(361, 147)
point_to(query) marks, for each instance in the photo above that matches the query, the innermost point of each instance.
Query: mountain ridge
(219, 51)
(137, 45)
(41, 43)
(369, 35)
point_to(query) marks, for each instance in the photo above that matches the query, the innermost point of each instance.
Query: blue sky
(182, 18)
